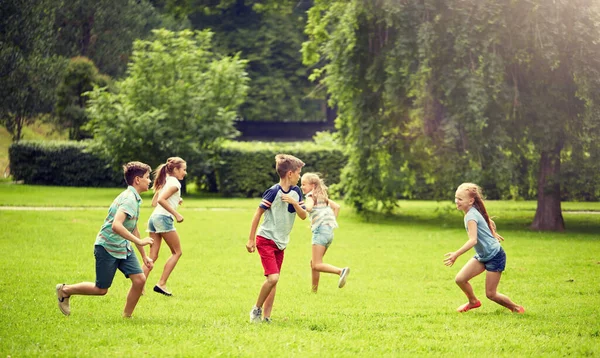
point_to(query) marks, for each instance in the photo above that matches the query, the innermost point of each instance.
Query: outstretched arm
(472, 232)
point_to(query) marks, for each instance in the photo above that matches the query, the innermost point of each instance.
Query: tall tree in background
(80, 76)
(28, 66)
(269, 34)
(440, 92)
(180, 98)
(104, 30)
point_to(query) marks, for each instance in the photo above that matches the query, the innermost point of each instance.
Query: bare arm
(309, 203)
(155, 198)
(162, 200)
(472, 232)
(145, 259)
(119, 229)
(251, 245)
(335, 207)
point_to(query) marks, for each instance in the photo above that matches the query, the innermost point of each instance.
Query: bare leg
(269, 302)
(265, 291)
(317, 264)
(172, 240)
(137, 285)
(471, 269)
(154, 250)
(83, 288)
(492, 279)
(316, 275)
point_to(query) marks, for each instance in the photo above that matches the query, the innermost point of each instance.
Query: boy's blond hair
(285, 163)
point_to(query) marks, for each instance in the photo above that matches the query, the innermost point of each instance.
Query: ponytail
(160, 174)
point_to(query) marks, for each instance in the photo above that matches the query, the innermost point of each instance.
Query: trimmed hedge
(61, 163)
(247, 169)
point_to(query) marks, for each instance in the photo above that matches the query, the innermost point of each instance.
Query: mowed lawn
(400, 299)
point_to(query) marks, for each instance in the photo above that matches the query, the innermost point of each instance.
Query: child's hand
(499, 237)
(180, 201)
(450, 258)
(251, 245)
(288, 199)
(146, 241)
(179, 218)
(149, 262)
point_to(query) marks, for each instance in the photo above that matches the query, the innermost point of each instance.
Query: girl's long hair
(160, 174)
(474, 192)
(320, 190)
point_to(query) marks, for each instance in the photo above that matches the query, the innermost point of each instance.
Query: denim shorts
(322, 235)
(107, 265)
(160, 223)
(496, 263)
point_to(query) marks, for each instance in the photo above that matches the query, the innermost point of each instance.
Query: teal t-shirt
(129, 202)
(487, 245)
(279, 216)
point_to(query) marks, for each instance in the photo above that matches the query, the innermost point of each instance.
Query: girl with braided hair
(489, 254)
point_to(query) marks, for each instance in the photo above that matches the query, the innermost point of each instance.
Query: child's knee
(273, 279)
(102, 291)
(490, 294)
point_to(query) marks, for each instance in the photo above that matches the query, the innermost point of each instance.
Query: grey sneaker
(255, 315)
(343, 276)
(63, 302)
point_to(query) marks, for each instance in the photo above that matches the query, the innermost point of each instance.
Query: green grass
(400, 299)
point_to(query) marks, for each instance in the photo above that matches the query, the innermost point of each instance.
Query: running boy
(280, 204)
(112, 248)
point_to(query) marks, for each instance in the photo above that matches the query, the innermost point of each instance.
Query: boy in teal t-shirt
(112, 248)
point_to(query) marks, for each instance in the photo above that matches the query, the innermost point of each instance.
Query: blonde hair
(320, 190)
(285, 163)
(160, 174)
(474, 191)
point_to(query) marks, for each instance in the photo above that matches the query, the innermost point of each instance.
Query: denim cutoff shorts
(160, 223)
(496, 263)
(322, 235)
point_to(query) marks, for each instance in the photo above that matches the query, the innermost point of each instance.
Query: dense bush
(247, 169)
(64, 163)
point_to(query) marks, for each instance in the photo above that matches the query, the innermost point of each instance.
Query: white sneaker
(255, 315)
(343, 276)
(63, 302)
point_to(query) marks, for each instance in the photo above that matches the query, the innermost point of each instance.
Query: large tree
(437, 92)
(180, 98)
(28, 66)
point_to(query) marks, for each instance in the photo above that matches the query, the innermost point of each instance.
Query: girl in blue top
(489, 255)
(323, 213)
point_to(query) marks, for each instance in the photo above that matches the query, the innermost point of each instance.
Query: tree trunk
(548, 215)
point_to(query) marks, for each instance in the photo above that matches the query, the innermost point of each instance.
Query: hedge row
(248, 168)
(62, 163)
(245, 169)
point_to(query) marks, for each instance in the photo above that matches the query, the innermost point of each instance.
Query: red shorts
(270, 255)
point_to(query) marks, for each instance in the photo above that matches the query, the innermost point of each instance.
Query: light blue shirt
(279, 216)
(487, 245)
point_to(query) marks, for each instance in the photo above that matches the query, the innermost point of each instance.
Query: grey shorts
(107, 265)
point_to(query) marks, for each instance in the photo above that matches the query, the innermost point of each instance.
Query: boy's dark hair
(285, 163)
(135, 169)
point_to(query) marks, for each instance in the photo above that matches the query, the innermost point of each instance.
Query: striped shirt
(129, 202)
(321, 214)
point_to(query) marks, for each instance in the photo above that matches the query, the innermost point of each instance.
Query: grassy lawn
(400, 299)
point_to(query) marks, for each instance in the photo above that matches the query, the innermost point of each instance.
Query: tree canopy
(180, 98)
(434, 93)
